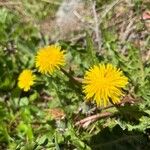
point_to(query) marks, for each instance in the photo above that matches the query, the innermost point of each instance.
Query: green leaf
(118, 139)
(56, 143)
(24, 101)
(91, 52)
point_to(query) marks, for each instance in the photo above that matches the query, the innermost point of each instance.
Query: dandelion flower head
(103, 83)
(50, 58)
(26, 79)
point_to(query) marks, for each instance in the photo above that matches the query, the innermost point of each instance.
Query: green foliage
(117, 138)
(26, 118)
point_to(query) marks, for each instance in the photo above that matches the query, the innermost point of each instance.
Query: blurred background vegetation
(47, 117)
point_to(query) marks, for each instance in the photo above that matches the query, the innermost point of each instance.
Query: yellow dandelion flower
(26, 80)
(50, 58)
(103, 83)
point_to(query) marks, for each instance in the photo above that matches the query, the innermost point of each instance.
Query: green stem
(72, 79)
(141, 66)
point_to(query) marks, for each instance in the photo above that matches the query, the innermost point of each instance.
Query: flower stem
(74, 80)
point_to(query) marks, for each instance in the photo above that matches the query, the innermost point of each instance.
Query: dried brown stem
(108, 9)
(93, 118)
(88, 120)
(9, 4)
(52, 2)
(97, 29)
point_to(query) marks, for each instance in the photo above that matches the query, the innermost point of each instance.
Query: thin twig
(52, 2)
(128, 99)
(97, 29)
(93, 118)
(9, 3)
(82, 20)
(78, 37)
(130, 27)
(109, 7)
